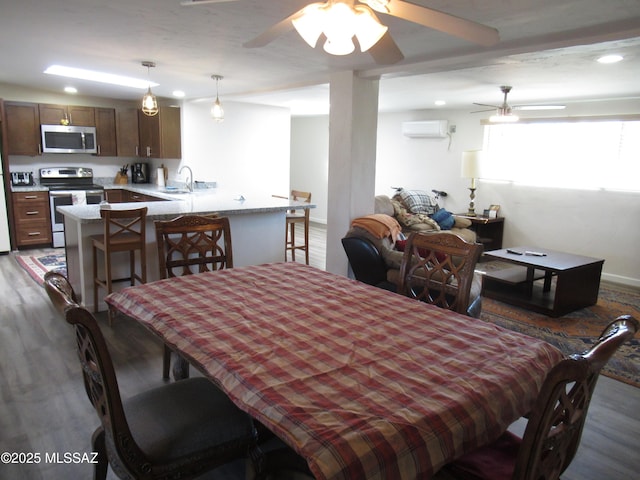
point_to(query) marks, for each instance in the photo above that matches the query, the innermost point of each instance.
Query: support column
(353, 124)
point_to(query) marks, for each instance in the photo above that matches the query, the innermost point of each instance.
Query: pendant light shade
(217, 112)
(149, 101)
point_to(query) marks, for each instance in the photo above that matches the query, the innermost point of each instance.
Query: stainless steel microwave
(68, 139)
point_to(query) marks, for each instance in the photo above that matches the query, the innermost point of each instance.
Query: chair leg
(166, 362)
(293, 242)
(306, 241)
(98, 446)
(95, 280)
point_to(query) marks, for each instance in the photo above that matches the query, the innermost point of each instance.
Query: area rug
(37, 265)
(576, 332)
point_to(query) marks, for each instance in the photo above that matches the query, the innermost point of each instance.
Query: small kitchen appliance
(22, 179)
(140, 173)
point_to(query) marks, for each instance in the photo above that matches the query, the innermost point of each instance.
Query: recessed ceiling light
(440, 103)
(71, 89)
(610, 59)
(99, 77)
(178, 94)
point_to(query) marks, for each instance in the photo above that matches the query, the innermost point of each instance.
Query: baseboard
(631, 282)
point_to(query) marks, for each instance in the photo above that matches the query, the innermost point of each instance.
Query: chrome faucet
(189, 183)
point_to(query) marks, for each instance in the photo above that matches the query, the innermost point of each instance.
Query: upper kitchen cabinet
(106, 131)
(160, 135)
(128, 141)
(67, 115)
(23, 128)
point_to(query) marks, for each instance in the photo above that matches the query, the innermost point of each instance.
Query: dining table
(361, 382)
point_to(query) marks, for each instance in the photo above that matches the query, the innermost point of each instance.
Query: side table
(488, 230)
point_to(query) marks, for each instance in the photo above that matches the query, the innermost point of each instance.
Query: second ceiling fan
(341, 20)
(504, 113)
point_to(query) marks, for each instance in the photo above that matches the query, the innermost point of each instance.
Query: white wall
(310, 161)
(601, 224)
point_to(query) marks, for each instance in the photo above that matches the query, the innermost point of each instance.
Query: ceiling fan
(317, 19)
(504, 113)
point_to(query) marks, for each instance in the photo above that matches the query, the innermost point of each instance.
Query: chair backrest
(298, 196)
(555, 425)
(365, 260)
(97, 369)
(124, 226)
(438, 268)
(60, 291)
(193, 244)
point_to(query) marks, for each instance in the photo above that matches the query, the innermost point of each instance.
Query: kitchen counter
(258, 229)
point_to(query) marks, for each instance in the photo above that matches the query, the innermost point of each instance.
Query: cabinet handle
(34, 234)
(137, 151)
(36, 212)
(30, 197)
(148, 151)
(98, 149)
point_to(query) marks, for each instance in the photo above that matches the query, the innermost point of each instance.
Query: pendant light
(149, 101)
(217, 112)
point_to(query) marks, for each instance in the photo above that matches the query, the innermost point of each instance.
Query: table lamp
(471, 160)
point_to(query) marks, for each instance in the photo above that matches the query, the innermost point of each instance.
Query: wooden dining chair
(295, 217)
(179, 430)
(554, 428)
(191, 244)
(438, 268)
(124, 231)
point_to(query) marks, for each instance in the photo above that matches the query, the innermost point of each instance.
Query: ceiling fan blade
(485, 105)
(189, 3)
(456, 26)
(269, 35)
(386, 51)
(480, 111)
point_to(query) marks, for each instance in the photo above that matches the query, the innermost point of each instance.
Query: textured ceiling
(547, 51)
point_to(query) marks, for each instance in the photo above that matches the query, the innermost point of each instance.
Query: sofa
(375, 257)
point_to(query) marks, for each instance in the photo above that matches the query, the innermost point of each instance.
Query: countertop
(200, 201)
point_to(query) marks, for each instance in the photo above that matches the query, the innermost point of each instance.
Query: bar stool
(294, 217)
(124, 231)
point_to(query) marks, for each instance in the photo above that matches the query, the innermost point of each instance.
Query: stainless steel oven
(68, 186)
(59, 198)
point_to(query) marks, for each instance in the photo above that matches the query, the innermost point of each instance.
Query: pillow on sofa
(413, 221)
(444, 218)
(419, 201)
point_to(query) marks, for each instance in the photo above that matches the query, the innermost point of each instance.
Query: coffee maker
(140, 173)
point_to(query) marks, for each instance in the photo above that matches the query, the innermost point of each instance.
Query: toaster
(22, 179)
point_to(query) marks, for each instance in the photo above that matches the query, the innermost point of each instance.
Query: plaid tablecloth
(361, 382)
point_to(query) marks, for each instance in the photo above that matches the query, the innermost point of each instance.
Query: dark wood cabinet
(127, 138)
(67, 115)
(160, 135)
(489, 231)
(120, 195)
(31, 217)
(23, 128)
(106, 132)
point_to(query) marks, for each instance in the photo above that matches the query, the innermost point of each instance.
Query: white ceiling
(547, 52)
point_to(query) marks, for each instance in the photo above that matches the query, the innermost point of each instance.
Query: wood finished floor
(44, 408)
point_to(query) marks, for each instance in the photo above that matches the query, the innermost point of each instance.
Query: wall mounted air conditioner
(426, 129)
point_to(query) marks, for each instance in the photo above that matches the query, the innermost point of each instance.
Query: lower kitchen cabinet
(32, 219)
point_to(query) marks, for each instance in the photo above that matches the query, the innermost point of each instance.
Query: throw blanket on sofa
(379, 225)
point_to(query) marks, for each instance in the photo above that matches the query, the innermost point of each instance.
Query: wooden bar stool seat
(124, 231)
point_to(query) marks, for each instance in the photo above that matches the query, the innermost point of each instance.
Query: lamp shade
(471, 164)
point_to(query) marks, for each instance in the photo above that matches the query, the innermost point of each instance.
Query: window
(565, 153)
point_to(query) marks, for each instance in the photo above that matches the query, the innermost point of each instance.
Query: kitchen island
(257, 231)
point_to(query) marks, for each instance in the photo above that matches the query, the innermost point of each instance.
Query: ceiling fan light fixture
(378, 5)
(368, 29)
(310, 23)
(149, 100)
(503, 117)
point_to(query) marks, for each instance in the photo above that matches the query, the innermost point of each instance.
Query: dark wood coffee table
(554, 284)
